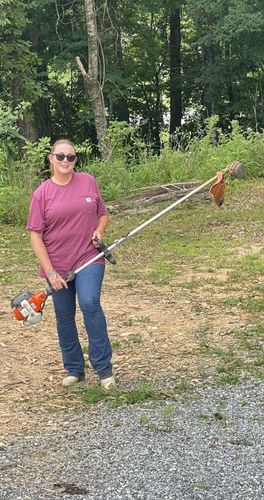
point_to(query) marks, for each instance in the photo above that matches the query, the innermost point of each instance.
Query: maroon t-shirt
(67, 217)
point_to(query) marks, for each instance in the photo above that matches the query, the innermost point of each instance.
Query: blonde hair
(61, 141)
(57, 143)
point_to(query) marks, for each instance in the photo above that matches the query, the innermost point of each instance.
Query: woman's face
(63, 159)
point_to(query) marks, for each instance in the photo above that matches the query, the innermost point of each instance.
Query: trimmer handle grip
(103, 248)
(107, 254)
(70, 276)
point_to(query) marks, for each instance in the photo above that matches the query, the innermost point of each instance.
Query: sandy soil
(156, 331)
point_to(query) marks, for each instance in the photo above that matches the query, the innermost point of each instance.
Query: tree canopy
(162, 63)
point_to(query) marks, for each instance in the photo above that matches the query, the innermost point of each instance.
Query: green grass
(144, 392)
(247, 304)
(244, 359)
(17, 263)
(126, 344)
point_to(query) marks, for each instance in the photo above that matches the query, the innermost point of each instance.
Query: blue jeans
(87, 286)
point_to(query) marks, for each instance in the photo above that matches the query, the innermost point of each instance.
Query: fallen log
(165, 192)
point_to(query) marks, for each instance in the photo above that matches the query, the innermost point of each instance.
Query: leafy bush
(132, 167)
(14, 205)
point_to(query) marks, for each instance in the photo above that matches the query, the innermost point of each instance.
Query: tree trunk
(92, 84)
(208, 88)
(43, 119)
(158, 113)
(120, 106)
(26, 125)
(175, 70)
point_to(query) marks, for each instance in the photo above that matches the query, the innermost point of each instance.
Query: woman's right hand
(56, 281)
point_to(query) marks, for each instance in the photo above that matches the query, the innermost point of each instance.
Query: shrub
(14, 205)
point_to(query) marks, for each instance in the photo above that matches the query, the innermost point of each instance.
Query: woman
(67, 214)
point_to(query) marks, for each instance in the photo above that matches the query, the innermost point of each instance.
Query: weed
(241, 442)
(161, 274)
(202, 486)
(127, 343)
(181, 387)
(167, 415)
(197, 309)
(229, 379)
(202, 416)
(94, 394)
(146, 422)
(243, 402)
(143, 320)
(116, 344)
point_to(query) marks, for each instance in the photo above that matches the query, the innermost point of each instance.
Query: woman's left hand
(96, 234)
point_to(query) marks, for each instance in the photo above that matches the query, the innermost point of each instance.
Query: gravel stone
(207, 445)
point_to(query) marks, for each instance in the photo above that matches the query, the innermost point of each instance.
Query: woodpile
(166, 192)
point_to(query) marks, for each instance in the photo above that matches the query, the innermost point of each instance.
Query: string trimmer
(28, 307)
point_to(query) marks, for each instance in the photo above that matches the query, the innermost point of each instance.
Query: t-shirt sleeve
(102, 209)
(36, 220)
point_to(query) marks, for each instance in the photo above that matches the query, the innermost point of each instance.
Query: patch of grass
(246, 268)
(145, 421)
(127, 343)
(144, 320)
(249, 304)
(17, 262)
(189, 285)
(231, 301)
(201, 485)
(256, 329)
(251, 338)
(181, 387)
(166, 423)
(144, 392)
(208, 349)
(195, 244)
(198, 309)
(85, 349)
(94, 394)
(258, 361)
(245, 358)
(161, 274)
(229, 378)
(116, 344)
(241, 442)
(257, 372)
(253, 304)
(202, 416)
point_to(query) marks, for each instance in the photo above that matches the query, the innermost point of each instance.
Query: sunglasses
(61, 156)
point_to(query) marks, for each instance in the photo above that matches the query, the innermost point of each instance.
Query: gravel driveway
(207, 445)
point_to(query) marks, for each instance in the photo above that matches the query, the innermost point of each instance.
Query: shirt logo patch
(88, 199)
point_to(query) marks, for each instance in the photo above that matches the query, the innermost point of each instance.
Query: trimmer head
(218, 189)
(237, 170)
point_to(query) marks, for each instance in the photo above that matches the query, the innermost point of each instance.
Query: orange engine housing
(36, 301)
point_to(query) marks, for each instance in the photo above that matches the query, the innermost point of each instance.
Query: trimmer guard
(218, 189)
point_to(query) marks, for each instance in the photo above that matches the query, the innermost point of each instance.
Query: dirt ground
(156, 332)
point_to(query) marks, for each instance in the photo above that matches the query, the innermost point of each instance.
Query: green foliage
(8, 121)
(17, 59)
(13, 206)
(124, 174)
(115, 398)
(200, 160)
(36, 153)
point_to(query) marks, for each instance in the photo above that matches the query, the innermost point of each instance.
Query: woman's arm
(39, 249)
(102, 224)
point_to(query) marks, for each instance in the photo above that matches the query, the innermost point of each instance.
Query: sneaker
(71, 380)
(108, 384)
